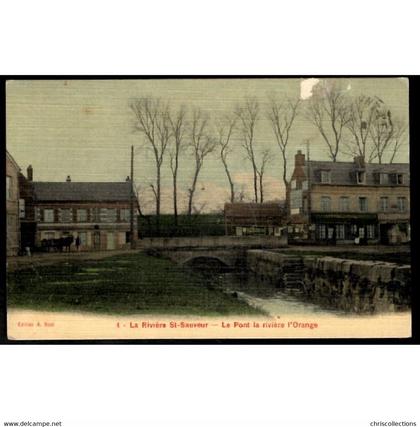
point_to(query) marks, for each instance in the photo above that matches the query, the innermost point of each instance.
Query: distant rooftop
(342, 173)
(82, 191)
(269, 209)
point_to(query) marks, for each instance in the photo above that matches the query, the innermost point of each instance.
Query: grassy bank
(125, 284)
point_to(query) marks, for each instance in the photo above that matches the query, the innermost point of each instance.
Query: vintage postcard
(219, 208)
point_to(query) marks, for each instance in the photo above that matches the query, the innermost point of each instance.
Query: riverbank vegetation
(124, 284)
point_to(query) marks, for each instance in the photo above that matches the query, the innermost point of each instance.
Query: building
(96, 212)
(349, 202)
(28, 224)
(250, 219)
(12, 206)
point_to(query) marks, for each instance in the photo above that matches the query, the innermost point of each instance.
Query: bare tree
(178, 125)
(361, 118)
(282, 114)
(248, 115)
(386, 133)
(328, 110)
(265, 158)
(152, 121)
(242, 193)
(400, 128)
(224, 133)
(201, 145)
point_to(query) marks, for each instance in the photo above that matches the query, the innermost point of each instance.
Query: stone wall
(344, 284)
(212, 242)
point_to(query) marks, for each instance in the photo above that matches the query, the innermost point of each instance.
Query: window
(383, 204)
(108, 215)
(402, 204)
(361, 177)
(49, 235)
(10, 221)
(322, 231)
(293, 184)
(8, 187)
(330, 232)
(95, 214)
(83, 238)
(304, 185)
(370, 230)
(325, 203)
(125, 215)
(397, 178)
(340, 232)
(383, 178)
(21, 208)
(363, 204)
(65, 215)
(325, 177)
(344, 204)
(354, 229)
(48, 215)
(81, 215)
(362, 232)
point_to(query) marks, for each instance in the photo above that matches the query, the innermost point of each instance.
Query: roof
(241, 209)
(342, 173)
(12, 160)
(82, 191)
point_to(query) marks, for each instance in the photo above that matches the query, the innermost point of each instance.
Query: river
(277, 301)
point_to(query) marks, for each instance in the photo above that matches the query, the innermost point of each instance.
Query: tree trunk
(255, 181)
(231, 184)
(158, 200)
(175, 177)
(192, 190)
(261, 189)
(175, 204)
(283, 152)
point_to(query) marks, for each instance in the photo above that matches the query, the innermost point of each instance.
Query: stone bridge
(227, 258)
(229, 251)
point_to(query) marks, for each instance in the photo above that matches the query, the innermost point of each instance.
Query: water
(268, 297)
(277, 301)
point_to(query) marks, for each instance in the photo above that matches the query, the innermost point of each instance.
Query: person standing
(77, 243)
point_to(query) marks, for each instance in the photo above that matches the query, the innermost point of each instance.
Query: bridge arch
(206, 261)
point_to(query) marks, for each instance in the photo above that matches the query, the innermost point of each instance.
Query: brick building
(244, 219)
(347, 202)
(97, 212)
(12, 206)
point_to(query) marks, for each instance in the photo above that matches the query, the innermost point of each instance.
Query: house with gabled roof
(98, 213)
(349, 202)
(250, 219)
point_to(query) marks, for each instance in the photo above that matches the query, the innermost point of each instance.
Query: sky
(85, 128)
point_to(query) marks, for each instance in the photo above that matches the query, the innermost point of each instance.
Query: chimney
(30, 173)
(299, 158)
(360, 162)
(68, 179)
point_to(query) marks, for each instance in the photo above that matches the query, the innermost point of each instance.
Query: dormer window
(326, 177)
(361, 177)
(383, 178)
(396, 178)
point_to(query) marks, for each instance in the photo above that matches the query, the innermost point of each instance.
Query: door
(384, 236)
(97, 240)
(110, 241)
